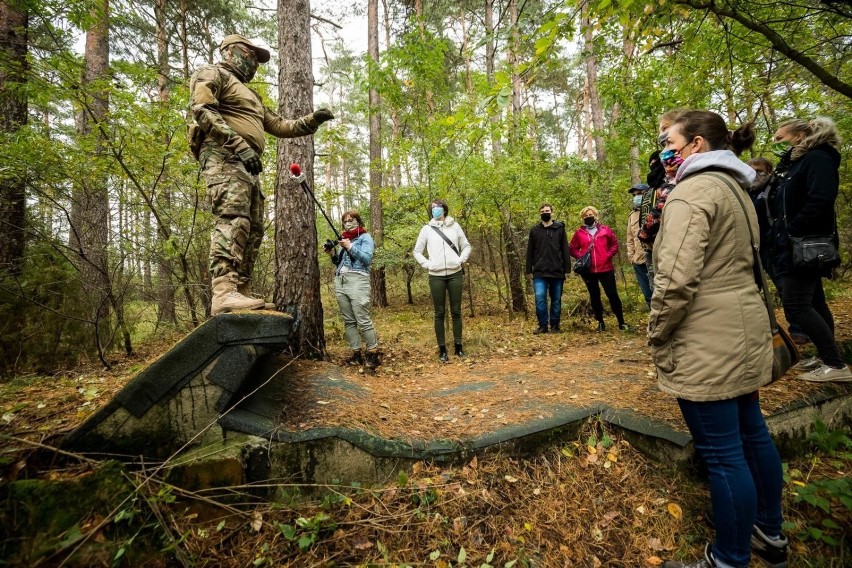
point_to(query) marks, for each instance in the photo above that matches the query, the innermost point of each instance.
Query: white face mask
(350, 224)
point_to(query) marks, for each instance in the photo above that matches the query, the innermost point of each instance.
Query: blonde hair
(821, 130)
(589, 209)
(670, 117)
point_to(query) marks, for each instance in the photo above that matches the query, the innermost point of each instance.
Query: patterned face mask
(780, 148)
(350, 224)
(671, 160)
(245, 61)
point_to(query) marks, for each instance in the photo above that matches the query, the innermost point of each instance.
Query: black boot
(601, 326)
(373, 359)
(554, 328)
(355, 359)
(540, 330)
(442, 354)
(459, 352)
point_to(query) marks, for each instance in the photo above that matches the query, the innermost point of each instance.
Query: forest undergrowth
(592, 501)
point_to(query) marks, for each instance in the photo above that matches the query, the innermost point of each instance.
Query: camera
(328, 245)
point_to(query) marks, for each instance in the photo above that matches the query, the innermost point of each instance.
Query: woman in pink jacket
(604, 245)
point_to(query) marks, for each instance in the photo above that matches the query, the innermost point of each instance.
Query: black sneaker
(706, 562)
(601, 326)
(459, 350)
(540, 330)
(772, 553)
(623, 327)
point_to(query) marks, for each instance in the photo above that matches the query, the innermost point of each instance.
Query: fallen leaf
(608, 518)
(655, 544)
(640, 509)
(256, 521)
(363, 545)
(675, 510)
(510, 479)
(597, 534)
(323, 402)
(653, 561)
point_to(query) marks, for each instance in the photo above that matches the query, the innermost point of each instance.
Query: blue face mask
(637, 200)
(437, 212)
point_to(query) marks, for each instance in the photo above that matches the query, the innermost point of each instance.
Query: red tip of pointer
(295, 170)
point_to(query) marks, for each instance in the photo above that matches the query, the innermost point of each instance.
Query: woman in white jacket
(447, 248)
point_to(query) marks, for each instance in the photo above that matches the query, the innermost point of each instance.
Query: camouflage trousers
(237, 204)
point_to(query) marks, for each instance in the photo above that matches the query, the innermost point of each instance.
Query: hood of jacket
(447, 222)
(832, 152)
(720, 160)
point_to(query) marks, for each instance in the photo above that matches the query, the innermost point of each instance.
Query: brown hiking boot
(227, 299)
(244, 288)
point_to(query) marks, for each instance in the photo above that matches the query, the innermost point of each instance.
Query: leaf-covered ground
(594, 502)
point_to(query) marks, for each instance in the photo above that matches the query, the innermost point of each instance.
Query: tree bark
(490, 48)
(377, 277)
(90, 208)
(165, 286)
(297, 282)
(592, 74)
(14, 25)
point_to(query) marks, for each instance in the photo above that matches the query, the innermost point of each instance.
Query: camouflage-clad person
(227, 138)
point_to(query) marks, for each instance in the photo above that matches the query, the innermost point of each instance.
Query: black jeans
(607, 280)
(804, 304)
(441, 287)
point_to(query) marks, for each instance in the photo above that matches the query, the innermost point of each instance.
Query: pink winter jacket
(606, 247)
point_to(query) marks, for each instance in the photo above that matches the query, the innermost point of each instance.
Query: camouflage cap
(262, 54)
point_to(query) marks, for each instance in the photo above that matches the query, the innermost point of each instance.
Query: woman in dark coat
(804, 205)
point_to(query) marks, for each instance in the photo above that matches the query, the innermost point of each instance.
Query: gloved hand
(322, 115)
(250, 160)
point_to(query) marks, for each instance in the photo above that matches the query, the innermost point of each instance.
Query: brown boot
(227, 299)
(244, 288)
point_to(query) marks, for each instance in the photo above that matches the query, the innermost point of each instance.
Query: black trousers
(804, 305)
(607, 280)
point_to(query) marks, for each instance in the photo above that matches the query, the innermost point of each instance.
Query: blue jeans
(544, 287)
(641, 271)
(745, 471)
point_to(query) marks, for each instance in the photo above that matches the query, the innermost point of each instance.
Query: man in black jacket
(548, 260)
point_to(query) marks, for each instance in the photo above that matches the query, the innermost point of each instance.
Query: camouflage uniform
(231, 120)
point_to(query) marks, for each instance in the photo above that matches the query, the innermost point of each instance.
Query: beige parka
(708, 328)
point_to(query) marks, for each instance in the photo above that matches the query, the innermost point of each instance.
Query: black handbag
(816, 251)
(785, 354)
(584, 264)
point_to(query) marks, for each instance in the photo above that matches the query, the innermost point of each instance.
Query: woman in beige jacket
(710, 337)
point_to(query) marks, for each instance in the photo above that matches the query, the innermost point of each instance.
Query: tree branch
(777, 42)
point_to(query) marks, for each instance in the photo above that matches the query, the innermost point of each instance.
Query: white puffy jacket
(442, 260)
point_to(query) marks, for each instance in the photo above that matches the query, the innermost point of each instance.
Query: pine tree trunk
(14, 25)
(592, 74)
(297, 282)
(165, 286)
(489, 74)
(90, 207)
(378, 287)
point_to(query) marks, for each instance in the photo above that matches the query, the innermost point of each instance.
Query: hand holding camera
(328, 246)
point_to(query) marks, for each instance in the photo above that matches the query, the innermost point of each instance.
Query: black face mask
(589, 221)
(545, 217)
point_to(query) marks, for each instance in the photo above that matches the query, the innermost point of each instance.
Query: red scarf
(354, 233)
